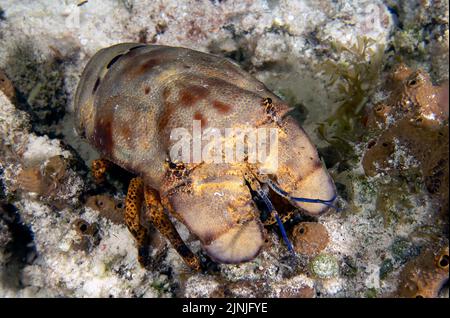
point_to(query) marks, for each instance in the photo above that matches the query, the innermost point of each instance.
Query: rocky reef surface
(369, 80)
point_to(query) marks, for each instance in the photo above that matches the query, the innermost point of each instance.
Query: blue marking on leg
(283, 233)
(272, 210)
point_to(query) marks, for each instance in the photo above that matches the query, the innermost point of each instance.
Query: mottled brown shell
(130, 98)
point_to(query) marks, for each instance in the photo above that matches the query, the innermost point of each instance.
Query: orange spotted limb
(133, 207)
(284, 218)
(162, 222)
(255, 186)
(99, 169)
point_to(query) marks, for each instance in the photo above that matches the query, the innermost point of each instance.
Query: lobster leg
(162, 222)
(99, 168)
(284, 218)
(133, 207)
(255, 186)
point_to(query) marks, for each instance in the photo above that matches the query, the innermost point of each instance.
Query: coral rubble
(61, 235)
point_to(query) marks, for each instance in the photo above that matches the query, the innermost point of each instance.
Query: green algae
(403, 250)
(387, 266)
(391, 196)
(324, 266)
(409, 42)
(371, 293)
(393, 200)
(356, 80)
(349, 268)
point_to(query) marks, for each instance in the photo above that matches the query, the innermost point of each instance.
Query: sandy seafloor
(44, 46)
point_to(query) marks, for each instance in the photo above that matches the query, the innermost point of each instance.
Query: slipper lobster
(132, 97)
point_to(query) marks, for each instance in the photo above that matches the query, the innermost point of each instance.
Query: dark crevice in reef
(2, 15)
(39, 85)
(117, 182)
(2, 186)
(244, 48)
(21, 248)
(444, 288)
